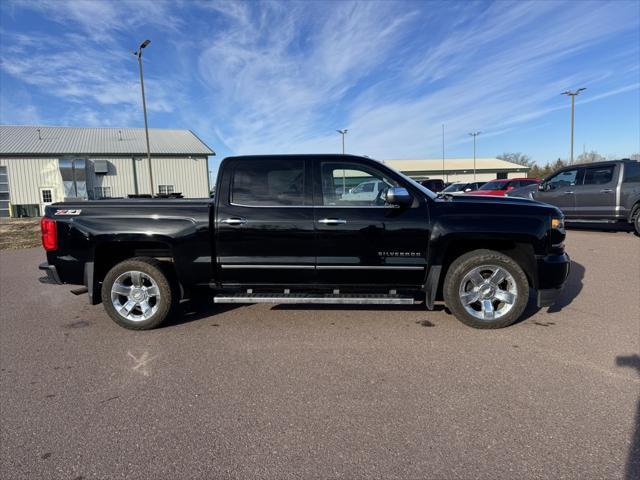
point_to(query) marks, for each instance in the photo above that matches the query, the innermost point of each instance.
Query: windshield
(455, 187)
(495, 185)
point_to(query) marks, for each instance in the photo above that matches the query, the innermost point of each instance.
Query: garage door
(4, 192)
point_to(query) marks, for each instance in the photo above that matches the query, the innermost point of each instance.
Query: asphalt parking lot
(328, 392)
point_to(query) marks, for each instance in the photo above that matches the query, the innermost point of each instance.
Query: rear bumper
(52, 274)
(553, 271)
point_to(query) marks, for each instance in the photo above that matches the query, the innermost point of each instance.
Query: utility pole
(343, 132)
(573, 96)
(474, 135)
(443, 153)
(138, 53)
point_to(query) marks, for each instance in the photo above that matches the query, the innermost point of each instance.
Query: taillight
(49, 234)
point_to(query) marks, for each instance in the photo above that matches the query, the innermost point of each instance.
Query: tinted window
(562, 179)
(632, 172)
(347, 184)
(268, 182)
(598, 175)
(524, 183)
(494, 186)
(456, 187)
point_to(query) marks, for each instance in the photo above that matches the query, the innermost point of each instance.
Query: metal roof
(26, 140)
(454, 164)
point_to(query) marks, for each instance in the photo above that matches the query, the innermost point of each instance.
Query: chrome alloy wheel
(488, 292)
(135, 296)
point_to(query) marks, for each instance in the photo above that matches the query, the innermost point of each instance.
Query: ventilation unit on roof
(101, 167)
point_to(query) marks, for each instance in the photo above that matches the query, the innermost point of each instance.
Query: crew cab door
(596, 196)
(264, 225)
(560, 190)
(364, 241)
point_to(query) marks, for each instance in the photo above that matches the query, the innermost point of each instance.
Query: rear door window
(261, 183)
(598, 175)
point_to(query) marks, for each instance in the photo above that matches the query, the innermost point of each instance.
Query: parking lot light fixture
(573, 96)
(138, 53)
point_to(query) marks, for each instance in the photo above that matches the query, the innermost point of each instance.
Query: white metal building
(41, 165)
(459, 169)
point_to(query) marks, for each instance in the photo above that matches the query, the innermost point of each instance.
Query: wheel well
(522, 253)
(107, 255)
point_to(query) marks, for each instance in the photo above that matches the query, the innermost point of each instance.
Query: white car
(365, 191)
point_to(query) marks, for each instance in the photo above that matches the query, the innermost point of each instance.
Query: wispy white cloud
(282, 76)
(287, 88)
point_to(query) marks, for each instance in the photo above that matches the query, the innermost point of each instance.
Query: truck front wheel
(138, 294)
(486, 289)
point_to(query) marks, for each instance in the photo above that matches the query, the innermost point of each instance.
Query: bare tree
(635, 156)
(517, 157)
(589, 157)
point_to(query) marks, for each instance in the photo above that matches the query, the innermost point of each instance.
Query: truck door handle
(606, 190)
(234, 221)
(568, 192)
(332, 221)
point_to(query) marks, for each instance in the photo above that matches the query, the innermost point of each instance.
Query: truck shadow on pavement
(572, 288)
(198, 309)
(632, 471)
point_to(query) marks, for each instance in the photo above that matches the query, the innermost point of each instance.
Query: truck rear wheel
(486, 289)
(138, 294)
(636, 220)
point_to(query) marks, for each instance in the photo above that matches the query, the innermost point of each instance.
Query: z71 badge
(67, 212)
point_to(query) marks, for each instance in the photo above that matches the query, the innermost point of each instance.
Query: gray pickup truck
(595, 192)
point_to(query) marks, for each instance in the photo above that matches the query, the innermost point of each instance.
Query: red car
(498, 188)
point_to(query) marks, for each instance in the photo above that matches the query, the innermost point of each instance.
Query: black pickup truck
(294, 229)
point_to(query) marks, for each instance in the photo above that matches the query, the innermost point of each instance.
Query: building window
(102, 192)
(47, 197)
(165, 189)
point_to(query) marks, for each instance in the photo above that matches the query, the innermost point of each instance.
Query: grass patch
(16, 233)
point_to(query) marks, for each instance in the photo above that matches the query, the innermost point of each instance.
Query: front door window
(561, 180)
(349, 185)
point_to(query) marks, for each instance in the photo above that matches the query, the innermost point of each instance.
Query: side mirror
(509, 188)
(541, 187)
(467, 189)
(399, 196)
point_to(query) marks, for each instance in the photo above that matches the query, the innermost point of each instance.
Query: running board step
(358, 299)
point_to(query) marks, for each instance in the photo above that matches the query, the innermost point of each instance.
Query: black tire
(167, 287)
(636, 220)
(465, 264)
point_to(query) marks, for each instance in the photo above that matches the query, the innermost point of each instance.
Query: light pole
(573, 96)
(343, 132)
(443, 153)
(138, 54)
(474, 135)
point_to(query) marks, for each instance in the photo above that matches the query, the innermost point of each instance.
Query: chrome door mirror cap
(399, 196)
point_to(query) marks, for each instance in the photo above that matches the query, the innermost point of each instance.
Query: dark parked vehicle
(434, 184)
(462, 187)
(596, 192)
(278, 232)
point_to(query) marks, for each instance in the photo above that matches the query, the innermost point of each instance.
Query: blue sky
(281, 77)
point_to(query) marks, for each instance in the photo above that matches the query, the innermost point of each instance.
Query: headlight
(557, 223)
